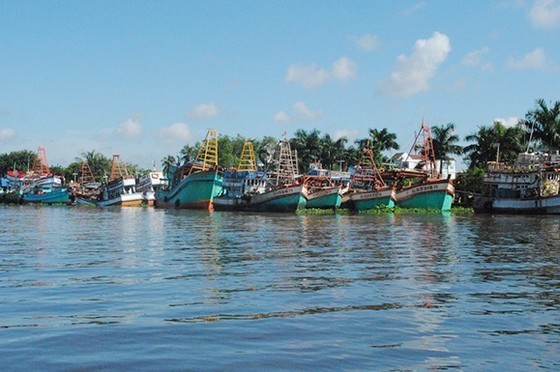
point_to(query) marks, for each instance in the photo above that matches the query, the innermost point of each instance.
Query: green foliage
(445, 141)
(496, 142)
(383, 210)
(21, 160)
(226, 156)
(544, 122)
(99, 164)
(471, 181)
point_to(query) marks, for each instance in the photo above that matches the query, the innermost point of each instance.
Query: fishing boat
(194, 184)
(40, 186)
(148, 183)
(368, 189)
(529, 186)
(47, 195)
(323, 192)
(242, 183)
(120, 189)
(247, 189)
(423, 187)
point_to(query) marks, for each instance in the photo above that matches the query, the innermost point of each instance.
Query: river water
(142, 288)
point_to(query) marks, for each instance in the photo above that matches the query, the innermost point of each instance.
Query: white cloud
(300, 111)
(204, 110)
(7, 133)
(311, 76)
(350, 134)
(475, 59)
(535, 60)
(282, 117)
(178, 132)
(368, 42)
(545, 13)
(413, 73)
(131, 128)
(509, 122)
(301, 108)
(415, 8)
(308, 75)
(344, 69)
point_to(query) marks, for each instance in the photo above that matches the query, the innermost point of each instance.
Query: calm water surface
(87, 288)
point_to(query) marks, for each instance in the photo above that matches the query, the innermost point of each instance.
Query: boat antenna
(530, 136)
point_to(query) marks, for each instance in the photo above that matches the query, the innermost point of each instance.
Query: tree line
(539, 130)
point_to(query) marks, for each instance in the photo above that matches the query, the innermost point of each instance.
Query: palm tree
(497, 142)
(339, 153)
(308, 146)
(99, 164)
(445, 143)
(188, 153)
(378, 141)
(383, 140)
(265, 150)
(544, 124)
(168, 162)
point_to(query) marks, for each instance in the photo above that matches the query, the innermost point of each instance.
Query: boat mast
(41, 164)
(286, 172)
(86, 174)
(207, 156)
(247, 160)
(429, 152)
(367, 169)
(118, 168)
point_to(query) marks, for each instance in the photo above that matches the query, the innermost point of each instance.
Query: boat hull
(544, 205)
(430, 195)
(124, 200)
(365, 200)
(56, 196)
(286, 199)
(330, 198)
(196, 191)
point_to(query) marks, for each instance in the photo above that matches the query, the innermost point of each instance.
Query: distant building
(414, 161)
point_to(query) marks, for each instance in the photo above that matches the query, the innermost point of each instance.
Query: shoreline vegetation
(380, 210)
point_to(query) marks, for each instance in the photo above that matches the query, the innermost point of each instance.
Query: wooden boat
(422, 188)
(323, 192)
(119, 191)
(195, 184)
(148, 183)
(368, 189)
(47, 195)
(86, 191)
(529, 186)
(425, 193)
(247, 189)
(40, 186)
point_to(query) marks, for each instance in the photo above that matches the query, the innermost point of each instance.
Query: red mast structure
(429, 152)
(118, 168)
(41, 164)
(86, 176)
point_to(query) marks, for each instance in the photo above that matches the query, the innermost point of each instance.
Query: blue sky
(144, 78)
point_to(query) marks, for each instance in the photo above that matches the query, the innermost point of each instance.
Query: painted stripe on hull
(126, 200)
(325, 199)
(364, 200)
(433, 195)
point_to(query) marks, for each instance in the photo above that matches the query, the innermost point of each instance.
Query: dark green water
(86, 288)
